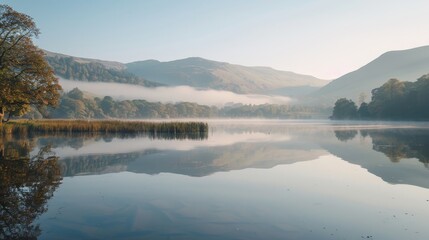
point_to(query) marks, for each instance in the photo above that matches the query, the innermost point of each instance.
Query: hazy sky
(324, 38)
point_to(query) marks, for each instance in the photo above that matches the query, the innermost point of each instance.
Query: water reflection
(239, 148)
(402, 144)
(26, 184)
(192, 157)
(398, 156)
(253, 182)
(345, 135)
(30, 173)
(396, 144)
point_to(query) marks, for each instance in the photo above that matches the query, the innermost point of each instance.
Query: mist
(175, 94)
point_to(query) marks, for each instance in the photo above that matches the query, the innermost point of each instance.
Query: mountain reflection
(192, 158)
(235, 150)
(31, 169)
(26, 184)
(397, 155)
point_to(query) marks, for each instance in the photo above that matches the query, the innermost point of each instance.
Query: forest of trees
(394, 100)
(75, 104)
(68, 68)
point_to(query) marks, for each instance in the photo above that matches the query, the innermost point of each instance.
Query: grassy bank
(104, 126)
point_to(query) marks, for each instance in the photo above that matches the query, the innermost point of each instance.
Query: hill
(203, 73)
(405, 65)
(93, 70)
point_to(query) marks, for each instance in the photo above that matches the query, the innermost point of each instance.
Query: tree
(418, 99)
(344, 109)
(76, 94)
(388, 101)
(25, 77)
(108, 106)
(395, 100)
(363, 111)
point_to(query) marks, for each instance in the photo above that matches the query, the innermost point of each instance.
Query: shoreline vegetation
(394, 100)
(77, 104)
(173, 129)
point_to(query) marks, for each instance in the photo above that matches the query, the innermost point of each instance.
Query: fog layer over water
(171, 94)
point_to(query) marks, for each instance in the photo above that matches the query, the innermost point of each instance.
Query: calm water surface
(246, 180)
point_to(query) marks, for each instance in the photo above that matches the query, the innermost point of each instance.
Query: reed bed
(104, 126)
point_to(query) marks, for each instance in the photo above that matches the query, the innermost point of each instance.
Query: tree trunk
(1, 149)
(1, 114)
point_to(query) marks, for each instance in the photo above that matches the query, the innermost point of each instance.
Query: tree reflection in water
(28, 182)
(345, 135)
(396, 144)
(26, 185)
(402, 143)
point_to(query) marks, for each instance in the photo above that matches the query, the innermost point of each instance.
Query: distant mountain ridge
(195, 72)
(405, 65)
(203, 73)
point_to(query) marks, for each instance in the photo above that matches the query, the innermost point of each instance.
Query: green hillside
(202, 73)
(406, 65)
(92, 70)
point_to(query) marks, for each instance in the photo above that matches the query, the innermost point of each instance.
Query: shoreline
(51, 126)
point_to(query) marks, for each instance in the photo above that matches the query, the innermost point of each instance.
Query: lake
(248, 179)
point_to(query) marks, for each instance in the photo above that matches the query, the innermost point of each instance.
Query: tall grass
(197, 129)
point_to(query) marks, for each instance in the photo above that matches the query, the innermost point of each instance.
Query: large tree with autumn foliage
(25, 77)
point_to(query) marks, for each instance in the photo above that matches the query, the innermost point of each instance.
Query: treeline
(273, 111)
(68, 68)
(394, 100)
(75, 105)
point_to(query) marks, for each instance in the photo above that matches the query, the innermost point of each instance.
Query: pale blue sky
(324, 38)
